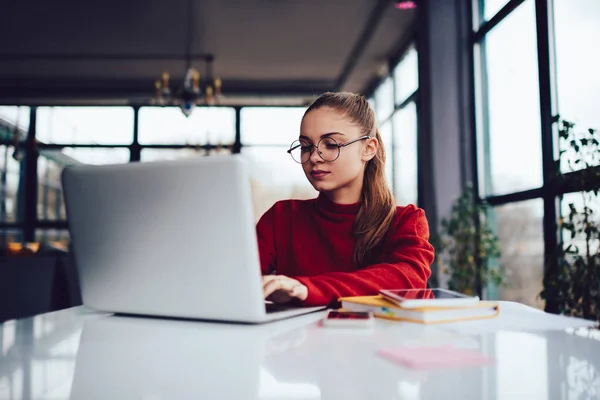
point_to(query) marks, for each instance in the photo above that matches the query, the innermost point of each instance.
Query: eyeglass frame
(339, 146)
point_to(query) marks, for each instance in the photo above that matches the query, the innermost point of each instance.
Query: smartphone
(416, 298)
(349, 319)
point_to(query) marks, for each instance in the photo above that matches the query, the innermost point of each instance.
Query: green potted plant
(466, 245)
(573, 282)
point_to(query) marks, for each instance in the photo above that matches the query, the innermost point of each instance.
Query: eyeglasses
(327, 148)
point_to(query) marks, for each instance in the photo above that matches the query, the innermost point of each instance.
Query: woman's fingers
(287, 286)
(274, 284)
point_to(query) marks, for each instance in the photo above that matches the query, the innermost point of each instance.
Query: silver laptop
(170, 238)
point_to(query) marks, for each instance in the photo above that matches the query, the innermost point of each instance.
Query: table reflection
(38, 354)
(99, 356)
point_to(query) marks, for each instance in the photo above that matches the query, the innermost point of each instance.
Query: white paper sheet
(517, 317)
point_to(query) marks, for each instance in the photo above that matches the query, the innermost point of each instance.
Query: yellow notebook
(383, 308)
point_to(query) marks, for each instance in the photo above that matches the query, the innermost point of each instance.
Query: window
(405, 155)
(275, 176)
(519, 227)
(271, 125)
(50, 198)
(512, 130)
(491, 7)
(577, 60)
(15, 116)
(384, 100)
(85, 125)
(386, 136)
(168, 125)
(10, 235)
(9, 184)
(371, 102)
(267, 133)
(169, 154)
(509, 126)
(50, 165)
(579, 200)
(96, 156)
(58, 238)
(406, 75)
(397, 120)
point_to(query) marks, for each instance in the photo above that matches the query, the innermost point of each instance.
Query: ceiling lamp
(194, 91)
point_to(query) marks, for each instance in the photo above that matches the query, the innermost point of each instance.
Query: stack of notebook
(383, 308)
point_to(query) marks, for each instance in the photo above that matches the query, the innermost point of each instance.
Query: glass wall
(577, 30)
(14, 124)
(168, 125)
(387, 136)
(509, 124)
(94, 130)
(85, 125)
(520, 231)
(406, 75)
(50, 166)
(579, 201)
(267, 133)
(57, 238)
(491, 7)
(384, 99)
(405, 154)
(10, 170)
(513, 105)
(106, 135)
(10, 236)
(396, 109)
(15, 117)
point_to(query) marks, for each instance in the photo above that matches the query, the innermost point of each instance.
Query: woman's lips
(319, 173)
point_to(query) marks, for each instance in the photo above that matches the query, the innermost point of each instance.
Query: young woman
(351, 240)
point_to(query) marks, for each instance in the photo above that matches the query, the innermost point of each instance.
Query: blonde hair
(378, 204)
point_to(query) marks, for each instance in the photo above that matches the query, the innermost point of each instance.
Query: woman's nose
(314, 155)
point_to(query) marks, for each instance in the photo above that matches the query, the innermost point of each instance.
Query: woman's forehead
(325, 120)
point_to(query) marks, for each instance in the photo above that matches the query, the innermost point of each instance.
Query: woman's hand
(282, 289)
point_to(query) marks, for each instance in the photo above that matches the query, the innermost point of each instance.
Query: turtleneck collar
(323, 202)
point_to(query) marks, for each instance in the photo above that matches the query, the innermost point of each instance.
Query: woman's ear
(370, 149)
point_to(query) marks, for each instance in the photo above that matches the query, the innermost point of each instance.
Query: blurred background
(465, 92)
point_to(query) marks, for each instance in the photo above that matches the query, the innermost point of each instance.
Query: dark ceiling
(76, 50)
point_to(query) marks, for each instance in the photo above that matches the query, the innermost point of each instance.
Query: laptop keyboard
(273, 307)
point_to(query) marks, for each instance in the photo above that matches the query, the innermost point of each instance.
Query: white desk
(79, 354)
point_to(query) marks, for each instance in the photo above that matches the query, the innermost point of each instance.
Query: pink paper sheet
(434, 357)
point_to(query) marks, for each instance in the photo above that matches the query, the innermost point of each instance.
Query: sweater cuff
(315, 295)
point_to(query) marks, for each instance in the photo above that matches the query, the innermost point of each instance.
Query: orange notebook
(383, 308)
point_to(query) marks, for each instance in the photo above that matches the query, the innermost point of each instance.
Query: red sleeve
(265, 233)
(407, 265)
